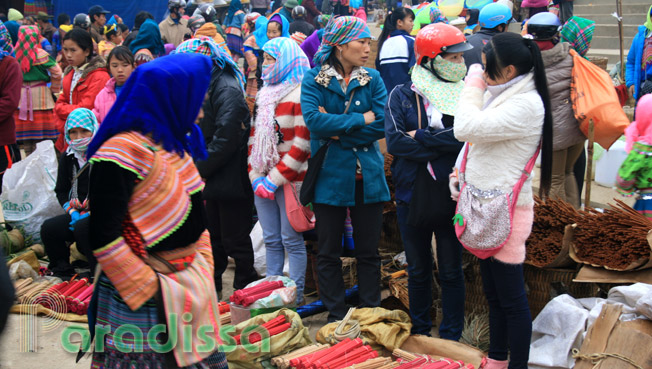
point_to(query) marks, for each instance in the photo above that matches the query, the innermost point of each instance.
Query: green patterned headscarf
(578, 32)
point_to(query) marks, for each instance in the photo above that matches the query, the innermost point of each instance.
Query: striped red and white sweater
(294, 151)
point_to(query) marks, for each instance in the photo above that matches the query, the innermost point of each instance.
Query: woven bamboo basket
(542, 285)
(600, 61)
(398, 287)
(349, 273)
(390, 237)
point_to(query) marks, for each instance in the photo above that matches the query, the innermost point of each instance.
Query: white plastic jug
(606, 168)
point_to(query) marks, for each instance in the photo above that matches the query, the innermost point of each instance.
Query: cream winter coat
(504, 135)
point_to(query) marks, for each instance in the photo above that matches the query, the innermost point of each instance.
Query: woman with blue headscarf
(235, 18)
(279, 147)
(276, 26)
(148, 44)
(148, 229)
(343, 106)
(10, 88)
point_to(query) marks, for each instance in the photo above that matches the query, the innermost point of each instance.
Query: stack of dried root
(615, 239)
(550, 219)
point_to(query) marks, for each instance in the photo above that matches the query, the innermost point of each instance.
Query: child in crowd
(85, 77)
(112, 38)
(279, 147)
(505, 113)
(35, 120)
(72, 193)
(635, 174)
(396, 48)
(121, 63)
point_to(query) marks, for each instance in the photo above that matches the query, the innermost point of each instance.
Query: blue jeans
(418, 251)
(281, 237)
(510, 322)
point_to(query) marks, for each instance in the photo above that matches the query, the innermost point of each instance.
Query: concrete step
(610, 42)
(629, 9)
(631, 20)
(612, 30)
(611, 54)
(626, 3)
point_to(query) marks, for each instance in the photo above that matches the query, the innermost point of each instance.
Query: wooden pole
(589, 165)
(619, 10)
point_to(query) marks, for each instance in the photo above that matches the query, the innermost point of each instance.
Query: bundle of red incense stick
(344, 354)
(248, 296)
(275, 326)
(75, 294)
(426, 363)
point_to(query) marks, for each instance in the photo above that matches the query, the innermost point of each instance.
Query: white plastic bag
(260, 253)
(28, 197)
(281, 297)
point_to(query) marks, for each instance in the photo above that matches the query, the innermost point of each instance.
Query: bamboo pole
(619, 10)
(589, 165)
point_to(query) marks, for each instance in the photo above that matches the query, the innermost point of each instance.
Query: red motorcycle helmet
(438, 38)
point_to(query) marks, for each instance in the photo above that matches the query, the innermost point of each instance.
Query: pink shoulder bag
(483, 220)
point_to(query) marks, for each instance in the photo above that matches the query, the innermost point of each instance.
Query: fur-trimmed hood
(94, 64)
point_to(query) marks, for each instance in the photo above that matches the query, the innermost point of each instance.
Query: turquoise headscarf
(149, 37)
(261, 33)
(291, 62)
(233, 8)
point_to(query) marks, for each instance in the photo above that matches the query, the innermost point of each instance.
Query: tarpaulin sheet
(126, 9)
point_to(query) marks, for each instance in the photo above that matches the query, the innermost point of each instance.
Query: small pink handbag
(301, 218)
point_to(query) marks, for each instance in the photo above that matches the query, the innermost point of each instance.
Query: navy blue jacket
(438, 146)
(395, 59)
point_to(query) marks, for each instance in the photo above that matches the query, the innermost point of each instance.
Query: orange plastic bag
(594, 98)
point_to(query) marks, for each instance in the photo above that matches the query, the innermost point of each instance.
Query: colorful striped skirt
(43, 127)
(235, 44)
(644, 205)
(113, 312)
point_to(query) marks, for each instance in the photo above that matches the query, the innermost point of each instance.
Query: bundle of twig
(614, 239)
(283, 361)
(550, 219)
(476, 331)
(27, 290)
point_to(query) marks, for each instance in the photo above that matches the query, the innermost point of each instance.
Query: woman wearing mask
(85, 77)
(504, 114)
(121, 64)
(72, 193)
(277, 26)
(419, 130)
(279, 147)
(396, 48)
(35, 119)
(342, 104)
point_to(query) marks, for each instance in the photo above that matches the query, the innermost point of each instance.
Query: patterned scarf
(206, 46)
(291, 62)
(436, 16)
(340, 31)
(578, 32)
(80, 118)
(26, 47)
(443, 95)
(149, 37)
(6, 47)
(264, 151)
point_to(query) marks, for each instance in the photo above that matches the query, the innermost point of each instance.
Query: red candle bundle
(259, 289)
(413, 364)
(223, 307)
(359, 355)
(275, 326)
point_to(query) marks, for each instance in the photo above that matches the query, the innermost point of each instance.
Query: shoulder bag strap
(525, 175)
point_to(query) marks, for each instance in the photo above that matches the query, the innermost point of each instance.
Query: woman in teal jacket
(352, 175)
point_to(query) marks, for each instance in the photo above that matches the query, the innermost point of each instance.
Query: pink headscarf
(641, 128)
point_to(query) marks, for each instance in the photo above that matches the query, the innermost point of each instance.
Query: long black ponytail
(507, 49)
(390, 25)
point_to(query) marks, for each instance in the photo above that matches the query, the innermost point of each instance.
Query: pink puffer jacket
(534, 3)
(105, 100)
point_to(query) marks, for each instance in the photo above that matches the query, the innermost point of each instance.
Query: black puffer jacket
(226, 127)
(68, 167)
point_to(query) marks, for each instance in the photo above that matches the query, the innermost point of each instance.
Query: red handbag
(301, 218)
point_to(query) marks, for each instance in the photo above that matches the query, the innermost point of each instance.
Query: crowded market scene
(326, 184)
